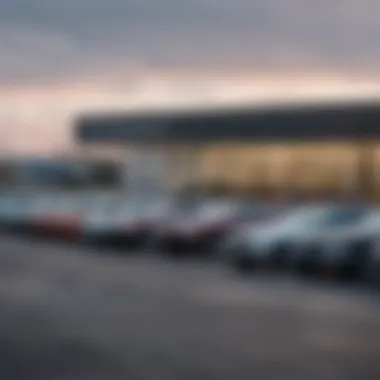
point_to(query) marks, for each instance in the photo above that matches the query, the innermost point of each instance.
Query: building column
(146, 170)
(365, 188)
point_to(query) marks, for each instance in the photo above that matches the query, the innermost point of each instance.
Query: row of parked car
(340, 240)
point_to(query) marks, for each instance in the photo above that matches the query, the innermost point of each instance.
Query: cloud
(26, 53)
(55, 38)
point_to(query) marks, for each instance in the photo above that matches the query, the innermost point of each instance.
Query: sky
(58, 58)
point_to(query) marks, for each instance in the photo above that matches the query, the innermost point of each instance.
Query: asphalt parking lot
(75, 313)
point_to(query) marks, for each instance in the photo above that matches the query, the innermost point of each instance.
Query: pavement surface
(77, 313)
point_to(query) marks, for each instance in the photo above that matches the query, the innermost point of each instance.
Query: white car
(13, 211)
(124, 222)
(263, 244)
(342, 249)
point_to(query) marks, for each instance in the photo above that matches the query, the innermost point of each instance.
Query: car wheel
(357, 261)
(174, 250)
(176, 254)
(373, 275)
(309, 264)
(279, 258)
(348, 272)
(244, 265)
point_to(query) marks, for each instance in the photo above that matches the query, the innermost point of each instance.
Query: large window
(315, 168)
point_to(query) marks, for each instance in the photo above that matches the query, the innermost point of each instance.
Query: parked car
(13, 212)
(201, 229)
(62, 216)
(270, 244)
(31, 204)
(372, 270)
(37, 219)
(343, 249)
(165, 237)
(127, 222)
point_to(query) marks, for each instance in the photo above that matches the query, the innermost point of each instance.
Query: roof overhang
(347, 121)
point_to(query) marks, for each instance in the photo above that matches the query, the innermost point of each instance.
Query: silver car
(127, 222)
(270, 244)
(341, 250)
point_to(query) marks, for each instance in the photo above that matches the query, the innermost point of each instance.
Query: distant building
(301, 150)
(60, 173)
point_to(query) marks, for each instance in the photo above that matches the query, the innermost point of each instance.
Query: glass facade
(314, 169)
(293, 162)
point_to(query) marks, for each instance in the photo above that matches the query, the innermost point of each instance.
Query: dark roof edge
(253, 108)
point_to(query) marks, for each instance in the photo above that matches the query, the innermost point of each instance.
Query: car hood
(341, 234)
(183, 226)
(109, 220)
(264, 236)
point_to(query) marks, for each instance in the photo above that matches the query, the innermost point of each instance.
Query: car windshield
(345, 216)
(136, 207)
(254, 212)
(216, 210)
(372, 219)
(158, 209)
(304, 214)
(43, 204)
(72, 204)
(184, 207)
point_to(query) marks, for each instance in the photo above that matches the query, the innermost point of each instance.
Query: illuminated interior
(319, 169)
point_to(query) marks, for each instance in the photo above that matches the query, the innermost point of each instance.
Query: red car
(62, 220)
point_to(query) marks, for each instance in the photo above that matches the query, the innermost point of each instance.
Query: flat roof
(336, 120)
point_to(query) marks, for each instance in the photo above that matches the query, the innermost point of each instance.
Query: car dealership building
(309, 150)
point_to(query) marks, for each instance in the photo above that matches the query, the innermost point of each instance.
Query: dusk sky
(60, 57)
